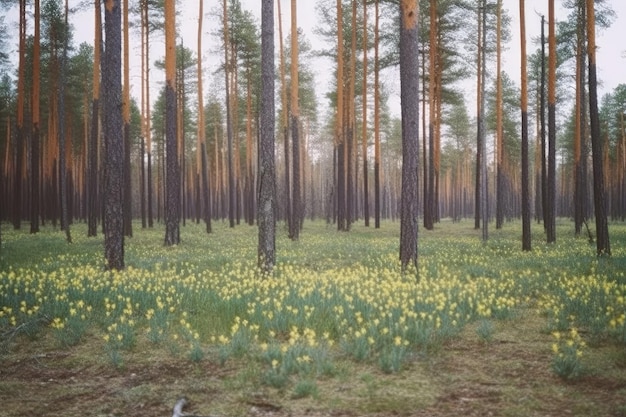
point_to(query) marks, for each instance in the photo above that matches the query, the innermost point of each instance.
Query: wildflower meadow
(337, 326)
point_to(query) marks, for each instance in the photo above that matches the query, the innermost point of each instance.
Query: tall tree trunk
(409, 84)
(340, 134)
(229, 127)
(249, 182)
(366, 197)
(537, 157)
(479, 147)
(550, 219)
(429, 199)
(266, 208)
(142, 180)
(284, 119)
(144, 133)
(172, 178)
(484, 184)
(499, 133)
(542, 119)
(350, 133)
(437, 138)
(425, 159)
(580, 174)
(202, 162)
(603, 245)
(35, 138)
(526, 237)
(92, 175)
(114, 141)
(128, 217)
(294, 232)
(377, 151)
(63, 174)
(180, 134)
(148, 121)
(17, 179)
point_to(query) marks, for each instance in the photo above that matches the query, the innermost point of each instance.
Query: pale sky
(611, 58)
(611, 53)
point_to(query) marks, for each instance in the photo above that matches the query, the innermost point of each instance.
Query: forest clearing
(336, 330)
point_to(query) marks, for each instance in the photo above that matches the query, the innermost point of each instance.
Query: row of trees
(184, 159)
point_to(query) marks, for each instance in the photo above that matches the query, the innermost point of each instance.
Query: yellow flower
(304, 359)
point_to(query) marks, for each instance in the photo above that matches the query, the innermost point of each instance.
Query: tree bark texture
(114, 140)
(172, 177)
(266, 208)
(294, 225)
(526, 236)
(409, 97)
(603, 246)
(35, 138)
(550, 219)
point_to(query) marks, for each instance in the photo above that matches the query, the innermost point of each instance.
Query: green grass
(337, 325)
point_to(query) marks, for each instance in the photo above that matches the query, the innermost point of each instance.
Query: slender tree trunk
(202, 162)
(92, 189)
(484, 183)
(429, 199)
(537, 157)
(249, 183)
(229, 127)
(65, 219)
(603, 246)
(526, 237)
(551, 188)
(542, 118)
(409, 84)
(35, 145)
(180, 134)
(17, 179)
(142, 180)
(366, 197)
(350, 120)
(499, 134)
(377, 151)
(479, 156)
(340, 134)
(266, 208)
(172, 204)
(580, 193)
(114, 145)
(128, 216)
(437, 138)
(294, 232)
(284, 119)
(148, 120)
(426, 163)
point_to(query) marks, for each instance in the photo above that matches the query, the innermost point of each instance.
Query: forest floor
(506, 374)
